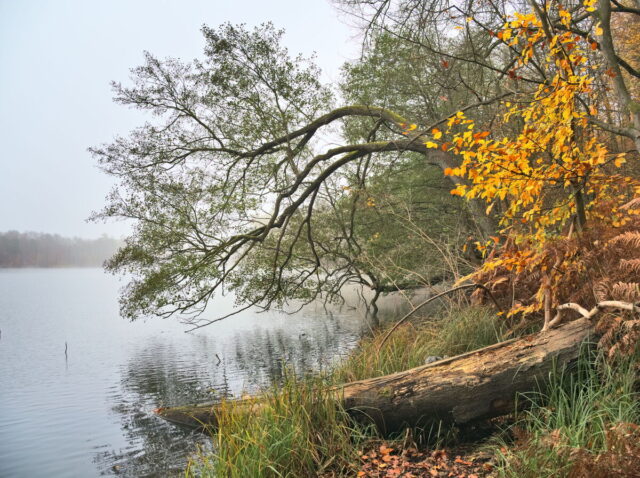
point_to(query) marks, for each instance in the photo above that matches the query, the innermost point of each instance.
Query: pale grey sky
(57, 58)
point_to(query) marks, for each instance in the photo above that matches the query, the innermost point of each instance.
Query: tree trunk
(476, 385)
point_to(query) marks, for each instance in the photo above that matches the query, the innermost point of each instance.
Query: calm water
(90, 413)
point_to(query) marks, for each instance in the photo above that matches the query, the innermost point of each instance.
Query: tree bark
(462, 389)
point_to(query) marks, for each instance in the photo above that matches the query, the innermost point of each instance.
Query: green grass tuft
(299, 430)
(575, 421)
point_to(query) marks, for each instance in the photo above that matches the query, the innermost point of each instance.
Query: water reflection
(90, 412)
(207, 366)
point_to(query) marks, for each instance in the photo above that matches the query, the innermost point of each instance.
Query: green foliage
(414, 230)
(396, 230)
(186, 180)
(233, 184)
(406, 76)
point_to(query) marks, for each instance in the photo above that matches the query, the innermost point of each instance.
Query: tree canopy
(256, 177)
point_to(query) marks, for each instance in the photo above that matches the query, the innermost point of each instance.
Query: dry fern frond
(629, 238)
(602, 290)
(608, 328)
(619, 336)
(626, 344)
(630, 265)
(626, 291)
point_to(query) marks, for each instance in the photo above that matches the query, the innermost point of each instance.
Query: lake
(89, 411)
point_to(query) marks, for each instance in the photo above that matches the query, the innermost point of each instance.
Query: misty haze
(33, 249)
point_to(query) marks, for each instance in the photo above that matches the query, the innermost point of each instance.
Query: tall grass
(454, 332)
(576, 420)
(296, 429)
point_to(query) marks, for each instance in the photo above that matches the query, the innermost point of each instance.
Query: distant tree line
(31, 249)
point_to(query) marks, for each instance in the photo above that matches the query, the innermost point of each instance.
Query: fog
(49, 250)
(56, 61)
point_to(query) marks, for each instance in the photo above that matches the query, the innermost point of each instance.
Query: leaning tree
(237, 181)
(231, 183)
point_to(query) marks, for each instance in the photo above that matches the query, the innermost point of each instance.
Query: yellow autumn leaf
(489, 208)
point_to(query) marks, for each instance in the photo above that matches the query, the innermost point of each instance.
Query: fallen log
(477, 385)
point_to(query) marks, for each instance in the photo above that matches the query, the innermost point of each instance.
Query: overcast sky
(57, 58)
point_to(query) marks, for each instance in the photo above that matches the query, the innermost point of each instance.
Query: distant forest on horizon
(34, 249)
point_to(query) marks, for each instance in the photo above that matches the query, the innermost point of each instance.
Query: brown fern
(625, 291)
(601, 263)
(629, 238)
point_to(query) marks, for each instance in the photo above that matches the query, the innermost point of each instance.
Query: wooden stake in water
(66, 347)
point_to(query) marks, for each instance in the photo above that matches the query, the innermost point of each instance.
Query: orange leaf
(385, 450)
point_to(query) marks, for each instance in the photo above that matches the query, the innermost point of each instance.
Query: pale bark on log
(477, 385)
